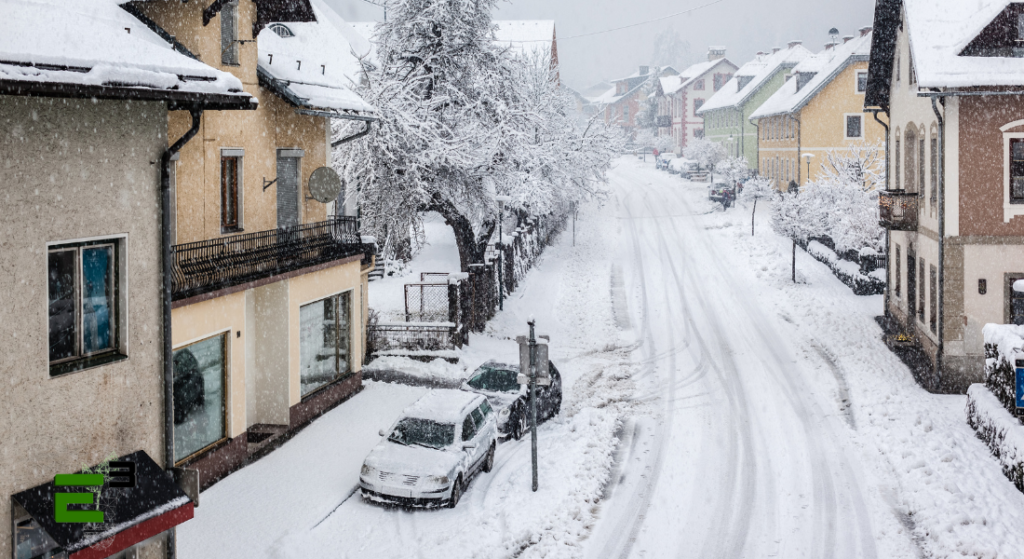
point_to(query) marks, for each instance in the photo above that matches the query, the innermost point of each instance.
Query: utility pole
(533, 403)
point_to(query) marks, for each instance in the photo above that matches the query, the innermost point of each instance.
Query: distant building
(727, 113)
(819, 109)
(681, 96)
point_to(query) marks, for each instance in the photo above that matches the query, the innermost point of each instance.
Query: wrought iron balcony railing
(205, 266)
(897, 210)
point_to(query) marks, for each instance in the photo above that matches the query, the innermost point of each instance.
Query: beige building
(955, 201)
(81, 145)
(270, 277)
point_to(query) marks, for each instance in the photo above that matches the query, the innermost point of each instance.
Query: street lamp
(808, 157)
(502, 200)
(731, 141)
(834, 33)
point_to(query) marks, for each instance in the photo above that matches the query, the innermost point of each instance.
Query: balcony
(205, 266)
(897, 210)
(664, 121)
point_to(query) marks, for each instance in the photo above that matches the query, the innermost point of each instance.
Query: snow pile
(96, 43)
(438, 369)
(1002, 432)
(1007, 340)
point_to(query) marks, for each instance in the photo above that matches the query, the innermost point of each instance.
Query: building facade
(684, 95)
(954, 205)
(81, 255)
(818, 111)
(727, 114)
(270, 289)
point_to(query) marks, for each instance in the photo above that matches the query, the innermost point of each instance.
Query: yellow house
(270, 272)
(820, 109)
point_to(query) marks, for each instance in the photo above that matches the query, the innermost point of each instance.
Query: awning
(130, 514)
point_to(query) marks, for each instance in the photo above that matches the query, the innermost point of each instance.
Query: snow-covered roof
(317, 65)
(755, 73)
(939, 32)
(526, 36)
(825, 66)
(97, 43)
(672, 84)
(443, 406)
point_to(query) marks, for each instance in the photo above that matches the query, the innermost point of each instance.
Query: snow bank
(1002, 432)
(848, 272)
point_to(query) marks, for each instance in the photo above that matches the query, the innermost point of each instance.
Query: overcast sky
(742, 26)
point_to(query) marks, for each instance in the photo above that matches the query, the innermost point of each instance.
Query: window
(896, 157)
(229, 33)
(324, 341)
(908, 156)
(199, 396)
(899, 278)
(478, 418)
(698, 132)
(935, 169)
(697, 104)
(911, 74)
(932, 297)
(1016, 170)
(85, 303)
(862, 81)
(468, 428)
(899, 69)
(282, 30)
(920, 291)
(854, 128)
(230, 191)
(1015, 299)
(625, 113)
(485, 408)
(698, 85)
(920, 163)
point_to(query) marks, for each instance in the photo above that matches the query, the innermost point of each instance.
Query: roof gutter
(176, 99)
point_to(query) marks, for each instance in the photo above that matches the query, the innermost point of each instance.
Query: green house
(727, 113)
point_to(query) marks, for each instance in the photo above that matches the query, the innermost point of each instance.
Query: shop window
(85, 302)
(199, 396)
(324, 341)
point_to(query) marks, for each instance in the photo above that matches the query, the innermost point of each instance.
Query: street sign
(543, 369)
(1020, 383)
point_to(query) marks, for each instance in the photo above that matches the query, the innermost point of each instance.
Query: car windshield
(495, 380)
(423, 432)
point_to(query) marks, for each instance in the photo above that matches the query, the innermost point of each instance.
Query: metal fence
(427, 302)
(213, 264)
(412, 337)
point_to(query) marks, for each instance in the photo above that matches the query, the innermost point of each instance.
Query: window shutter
(287, 192)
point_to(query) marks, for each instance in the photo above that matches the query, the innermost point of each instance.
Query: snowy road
(748, 455)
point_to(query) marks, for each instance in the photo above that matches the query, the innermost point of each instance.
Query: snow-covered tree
(846, 198)
(462, 120)
(733, 169)
(793, 216)
(670, 49)
(757, 188)
(706, 153)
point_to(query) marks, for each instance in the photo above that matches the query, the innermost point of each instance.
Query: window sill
(60, 369)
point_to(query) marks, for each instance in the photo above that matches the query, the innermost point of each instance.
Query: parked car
(722, 193)
(189, 387)
(498, 382)
(663, 162)
(429, 455)
(683, 167)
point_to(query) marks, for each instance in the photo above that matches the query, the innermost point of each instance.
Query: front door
(287, 192)
(911, 289)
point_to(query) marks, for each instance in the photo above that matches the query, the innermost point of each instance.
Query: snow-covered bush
(1003, 342)
(706, 153)
(1003, 434)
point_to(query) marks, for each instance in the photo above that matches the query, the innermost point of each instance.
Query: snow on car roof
(941, 29)
(443, 406)
(826, 65)
(318, 62)
(759, 70)
(97, 43)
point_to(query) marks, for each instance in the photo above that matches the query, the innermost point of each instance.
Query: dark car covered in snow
(499, 383)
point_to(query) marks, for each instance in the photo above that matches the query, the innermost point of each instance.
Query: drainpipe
(941, 169)
(355, 136)
(166, 263)
(888, 232)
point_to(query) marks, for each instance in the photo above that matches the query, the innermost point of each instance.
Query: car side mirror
(383, 432)
(468, 445)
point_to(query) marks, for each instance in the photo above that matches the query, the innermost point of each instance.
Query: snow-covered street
(713, 409)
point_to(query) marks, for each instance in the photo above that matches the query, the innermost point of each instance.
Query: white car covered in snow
(682, 167)
(429, 455)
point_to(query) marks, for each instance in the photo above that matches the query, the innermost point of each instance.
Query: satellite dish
(324, 185)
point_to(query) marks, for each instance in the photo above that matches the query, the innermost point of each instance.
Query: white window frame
(856, 82)
(1010, 210)
(846, 129)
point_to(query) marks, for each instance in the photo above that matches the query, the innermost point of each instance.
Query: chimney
(716, 53)
(775, 50)
(864, 31)
(795, 43)
(847, 39)
(644, 70)
(828, 46)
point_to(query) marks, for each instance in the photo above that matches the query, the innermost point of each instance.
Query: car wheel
(520, 426)
(489, 461)
(456, 493)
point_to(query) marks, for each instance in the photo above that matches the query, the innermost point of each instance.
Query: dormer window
(282, 30)
(1003, 37)
(742, 81)
(803, 78)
